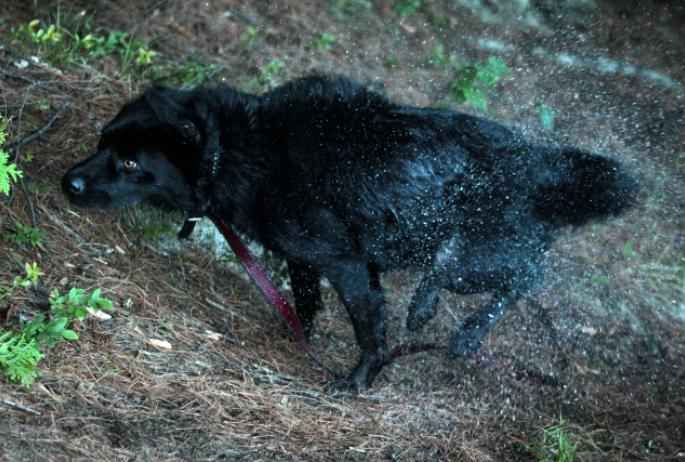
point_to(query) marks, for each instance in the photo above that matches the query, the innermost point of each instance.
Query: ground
(608, 323)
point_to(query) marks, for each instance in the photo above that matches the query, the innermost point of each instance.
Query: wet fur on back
(345, 184)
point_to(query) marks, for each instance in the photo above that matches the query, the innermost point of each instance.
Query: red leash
(269, 289)
(287, 313)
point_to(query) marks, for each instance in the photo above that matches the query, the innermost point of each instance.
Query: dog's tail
(582, 187)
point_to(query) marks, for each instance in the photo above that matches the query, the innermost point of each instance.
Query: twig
(225, 308)
(16, 76)
(38, 133)
(79, 239)
(10, 403)
(14, 147)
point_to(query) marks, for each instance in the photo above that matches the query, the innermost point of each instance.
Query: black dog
(345, 184)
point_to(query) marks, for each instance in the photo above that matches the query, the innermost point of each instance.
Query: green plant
(77, 303)
(442, 22)
(43, 105)
(392, 61)
(405, 8)
(558, 443)
(59, 44)
(323, 43)
(21, 352)
(630, 252)
(190, 73)
(42, 187)
(267, 76)
(32, 274)
(112, 366)
(144, 56)
(8, 171)
(250, 37)
(23, 234)
(473, 80)
(39, 36)
(197, 73)
(341, 8)
(81, 147)
(19, 357)
(546, 117)
(152, 230)
(134, 54)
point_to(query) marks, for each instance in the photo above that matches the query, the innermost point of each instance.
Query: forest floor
(608, 322)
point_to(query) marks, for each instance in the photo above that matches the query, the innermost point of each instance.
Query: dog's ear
(172, 114)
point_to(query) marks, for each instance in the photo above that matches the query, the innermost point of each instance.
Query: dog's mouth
(79, 193)
(95, 199)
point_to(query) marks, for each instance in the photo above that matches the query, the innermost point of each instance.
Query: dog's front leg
(304, 281)
(357, 284)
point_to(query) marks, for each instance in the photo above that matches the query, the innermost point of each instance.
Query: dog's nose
(75, 185)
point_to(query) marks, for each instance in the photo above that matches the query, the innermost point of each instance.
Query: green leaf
(68, 334)
(105, 304)
(457, 95)
(56, 325)
(406, 8)
(21, 282)
(96, 294)
(33, 272)
(476, 98)
(80, 312)
(546, 117)
(497, 66)
(35, 327)
(630, 251)
(488, 78)
(468, 73)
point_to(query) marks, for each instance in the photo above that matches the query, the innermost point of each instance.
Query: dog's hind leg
(304, 281)
(357, 284)
(469, 336)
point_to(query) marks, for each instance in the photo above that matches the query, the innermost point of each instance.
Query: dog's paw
(362, 376)
(342, 386)
(422, 308)
(420, 312)
(465, 342)
(416, 319)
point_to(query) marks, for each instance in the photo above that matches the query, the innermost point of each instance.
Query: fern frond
(19, 358)
(7, 171)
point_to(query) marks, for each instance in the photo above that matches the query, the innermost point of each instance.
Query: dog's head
(148, 152)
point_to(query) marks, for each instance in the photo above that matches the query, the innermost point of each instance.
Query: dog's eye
(130, 164)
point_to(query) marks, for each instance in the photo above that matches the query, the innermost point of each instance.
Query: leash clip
(188, 226)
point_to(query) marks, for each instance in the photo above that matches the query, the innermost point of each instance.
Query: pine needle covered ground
(192, 364)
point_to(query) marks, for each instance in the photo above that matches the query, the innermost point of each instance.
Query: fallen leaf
(99, 314)
(588, 330)
(213, 335)
(161, 344)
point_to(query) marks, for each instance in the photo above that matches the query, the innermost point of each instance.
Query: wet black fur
(345, 184)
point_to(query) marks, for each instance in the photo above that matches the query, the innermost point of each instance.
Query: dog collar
(193, 217)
